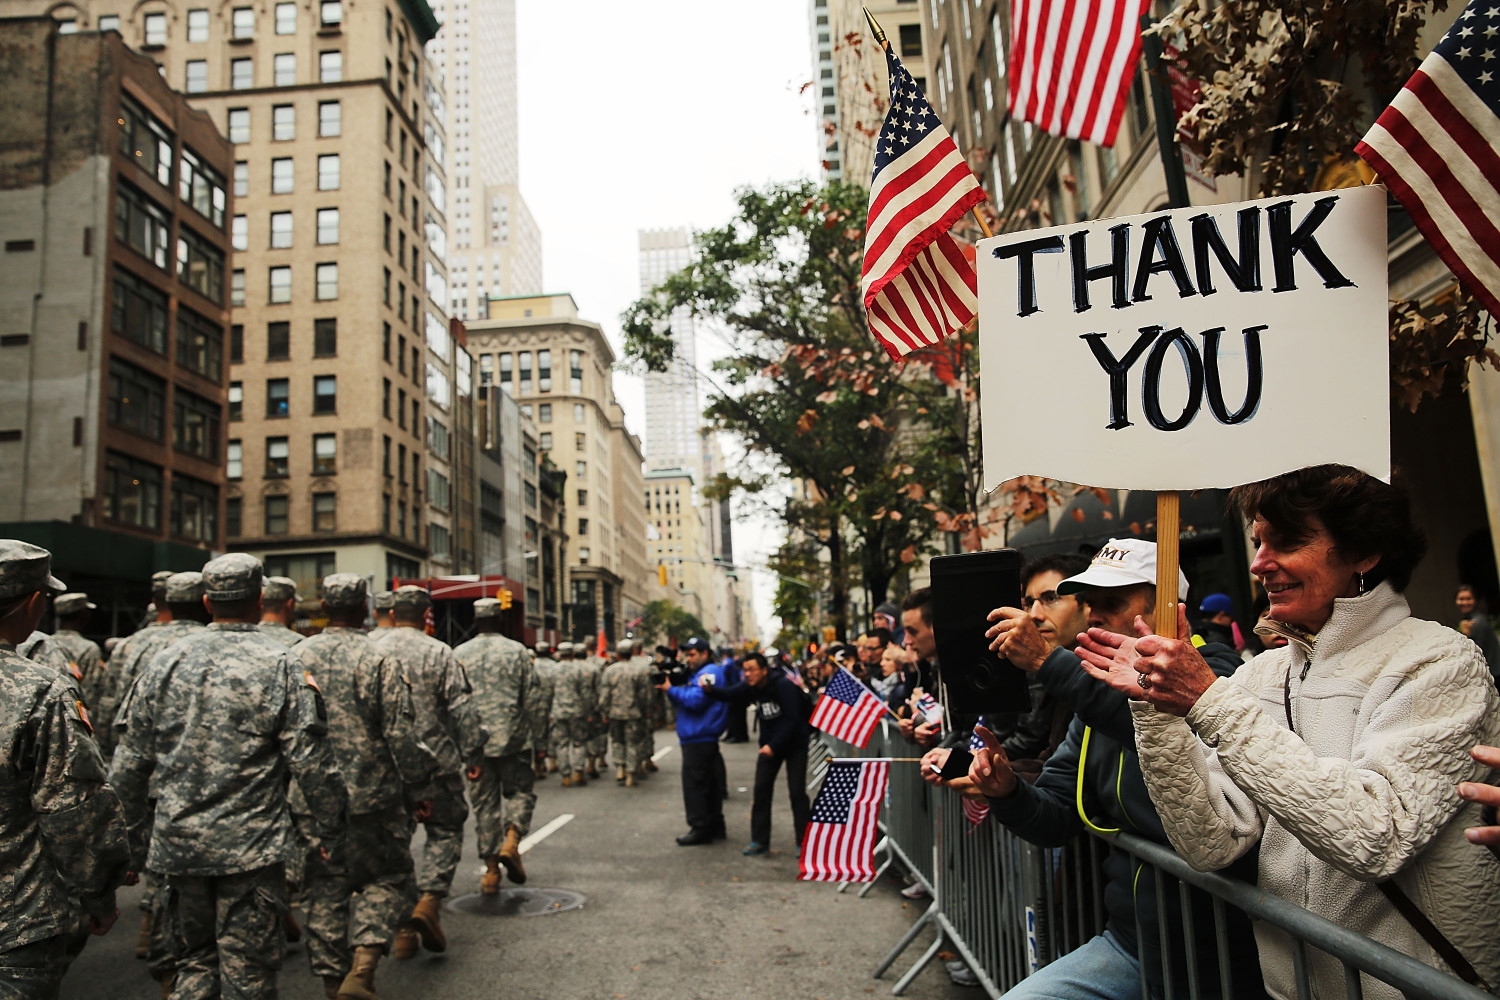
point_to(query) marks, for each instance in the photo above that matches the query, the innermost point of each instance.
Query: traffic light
(829, 634)
(661, 574)
(503, 595)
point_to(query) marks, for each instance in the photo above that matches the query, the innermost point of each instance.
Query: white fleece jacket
(1360, 788)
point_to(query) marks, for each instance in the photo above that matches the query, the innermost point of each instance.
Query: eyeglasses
(1047, 597)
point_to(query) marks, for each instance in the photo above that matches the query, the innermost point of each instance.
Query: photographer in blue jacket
(700, 723)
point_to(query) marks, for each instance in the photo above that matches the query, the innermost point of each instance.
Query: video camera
(666, 667)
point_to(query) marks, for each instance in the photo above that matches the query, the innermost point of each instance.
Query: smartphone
(965, 588)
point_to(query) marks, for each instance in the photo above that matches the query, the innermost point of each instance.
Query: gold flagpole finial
(875, 27)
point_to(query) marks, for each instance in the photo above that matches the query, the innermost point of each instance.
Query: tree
(663, 620)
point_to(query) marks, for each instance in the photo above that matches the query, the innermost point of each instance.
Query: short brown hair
(1364, 516)
(920, 601)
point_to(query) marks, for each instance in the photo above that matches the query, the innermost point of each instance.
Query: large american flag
(848, 710)
(919, 286)
(975, 810)
(1071, 63)
(838, 843)
(1437, 147)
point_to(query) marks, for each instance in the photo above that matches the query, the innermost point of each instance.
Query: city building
(557, 366)
(114, 313)
(826, 81)
(679, 541)
(340, 351)
(860, 75)
(495, 245)
(674, 414)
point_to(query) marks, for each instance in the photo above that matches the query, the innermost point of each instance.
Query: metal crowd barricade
(1009, 907)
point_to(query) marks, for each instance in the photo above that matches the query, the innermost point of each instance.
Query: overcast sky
(645, 116)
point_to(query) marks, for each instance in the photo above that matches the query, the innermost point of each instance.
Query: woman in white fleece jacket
(1338, 754)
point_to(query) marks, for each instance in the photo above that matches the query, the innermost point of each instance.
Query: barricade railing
(1009, 907)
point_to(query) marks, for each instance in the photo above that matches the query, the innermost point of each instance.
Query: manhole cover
(513, 901)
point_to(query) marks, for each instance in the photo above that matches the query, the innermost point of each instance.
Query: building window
(578, 417)
(385, 513)
(195, 425)
(195, 76)
(325, 394)
(328, 282)
(281, 230)
(583, 472)
(197, 25)
(437, 489)
(325, 338)
(239, 124)
(401, 464)
(278, 402)
(331, 13)
(286, 19)
(385, 456)
(234, 512)
(401, 520)
(325, 454)
(137, 400)
(201, 186)
(200, 264)
(200, 345)
(544, 413)
(278, 341)
(330, 119)
(911, 40)
(575, 372)
(242, 21)
(281, 284)
(437, 541)
(583, 556)
(545, 441)
(109, 22)
(236, 401)
(142, 223)
(276, 515)
(328, 172)
(401, 408)
(544, 371)
(281, 175)
(156, 29)
(583, 526)
(284, 69)
(239, 233)
(524, 380)
(241, 74)
(385, 398)
(507, 365)
(277, 458)
(583, 498)
(132, 491)
(138, 312)
(325, 511)
(283, 123)
(237, 287)
(234, 465)
(580, 443)
(236, 343)
(330, 67)
(328, 225)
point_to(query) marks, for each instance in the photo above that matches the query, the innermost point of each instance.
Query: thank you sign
(1192, 348)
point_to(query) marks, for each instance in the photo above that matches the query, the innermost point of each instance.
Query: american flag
(926, 707)
(1437, 147)
(919, 286)
(975, 810)
(848, 710)
(1071, 62)
(838, 843)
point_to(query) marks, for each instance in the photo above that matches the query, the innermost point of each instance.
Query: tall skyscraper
(673, 413)
(495, 245)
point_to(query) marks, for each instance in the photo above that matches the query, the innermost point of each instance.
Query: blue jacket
(699, 719)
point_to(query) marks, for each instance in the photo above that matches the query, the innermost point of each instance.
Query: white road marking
(662, 753)
(538, 836)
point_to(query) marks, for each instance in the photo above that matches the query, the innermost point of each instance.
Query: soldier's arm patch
(73, 668)
(83, 715)
(311, 681)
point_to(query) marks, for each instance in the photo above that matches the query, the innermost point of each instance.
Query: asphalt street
(660, 922)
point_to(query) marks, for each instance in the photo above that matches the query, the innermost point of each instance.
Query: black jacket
(779, 704)
(1115, 798)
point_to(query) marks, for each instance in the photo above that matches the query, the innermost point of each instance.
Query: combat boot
(619, 774)
(359, 984)
(641, 773)
(552, 763)
(593, 769)
(143, 939)
(567, 781)
(428, 918)
(651, 765)
(629, 779)
(331, 986)
(579, 780)
(489, 883)
(510, 856)
(289, 923)
(407, 944)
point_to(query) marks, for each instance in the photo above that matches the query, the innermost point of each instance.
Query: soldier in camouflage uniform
(572, 707)
(506, 688)
(85, 662)
(541, 709)
(62, 834)
(453, 730)
(355, 901)
(641, 726)
(214, 729)
(620, 703)
(598, 744)
(279, 610)
(384, 602)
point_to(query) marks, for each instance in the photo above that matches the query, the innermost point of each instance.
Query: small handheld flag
(848, 710)
(975, 810)
(840, 837)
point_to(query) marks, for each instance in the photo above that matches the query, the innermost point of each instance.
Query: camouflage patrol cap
(565, 648)
(279, 589)
(486, 607)
(25, 569)
(159, 583)
(232, 577)
(543, 648)
(185, 588)
(384, 600)
(625, 647)
(411, 597)
(344, 590)
(71, 604)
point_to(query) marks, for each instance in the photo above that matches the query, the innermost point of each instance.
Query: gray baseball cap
(25, 569)
(412, 597)
(625, 647)
(487, 607)
(71, 604)
(565, 648)
(185, 588)
(232, 577)
(279, 589)
(543, 648)
(344, 590)
(159, 583)
(384, 600)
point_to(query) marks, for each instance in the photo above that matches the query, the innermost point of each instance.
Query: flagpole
(873, 760)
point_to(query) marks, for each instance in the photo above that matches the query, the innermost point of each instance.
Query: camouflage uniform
(277, 590)
(215, 728)
(451, 728)
(541, 708)
(39, 647)
(62, 833)
(598, 744)
(356, 899)
(505, 687)
(641, 726)
(85, 661)
(620, 703)
(572, 704)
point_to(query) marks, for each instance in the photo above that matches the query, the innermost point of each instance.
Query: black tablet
(965, 589)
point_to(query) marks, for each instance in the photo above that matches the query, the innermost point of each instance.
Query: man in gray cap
(279, 609)
(598, 728)
(157, 612)
(62, 834)
(505, 689)
(541, 708)
(355, 901)
(182, 601)
(572, 705)
(620, 703)
(216, 727)
(385, 604)
(451, 727)
(85, 662)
